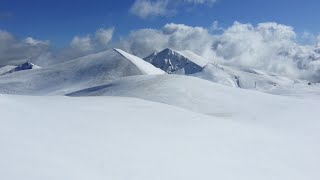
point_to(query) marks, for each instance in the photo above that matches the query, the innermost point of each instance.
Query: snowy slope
(186, 62)
(11, 69)
(177, 62)
(23, 67)
(257, 80)
(244, 78)
(78, 74)
(144, 67)
(5, 69)
(204, 97)
(122, 138)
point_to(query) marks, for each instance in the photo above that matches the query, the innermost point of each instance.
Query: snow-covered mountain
(141, 123)
(78, 74)
(188, 63)
(246, 78)
(177, 62)
(11, 69)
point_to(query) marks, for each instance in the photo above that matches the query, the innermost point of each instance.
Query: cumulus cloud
(104, 36)
(147, 8)
(177, 36)
(267, 46)
(84, 45)
(152, 8)
(90, 42)
(14, 51)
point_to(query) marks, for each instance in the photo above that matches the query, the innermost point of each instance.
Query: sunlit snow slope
(78, 74)
(122, 138)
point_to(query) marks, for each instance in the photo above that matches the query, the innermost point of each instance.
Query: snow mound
(177, 62)
(88, 71)
(190, 93)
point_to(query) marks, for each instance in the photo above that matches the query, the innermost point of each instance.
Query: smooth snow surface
(75, 75)
(122, 138)
(210, 98)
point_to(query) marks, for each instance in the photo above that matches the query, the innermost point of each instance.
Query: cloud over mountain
(16, 51)
(266, 46)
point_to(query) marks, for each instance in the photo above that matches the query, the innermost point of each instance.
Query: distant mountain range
(105, 67)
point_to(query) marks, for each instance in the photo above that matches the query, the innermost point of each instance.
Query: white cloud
(34, 42)
(177, 36)
(267, 46)
(149, 8)
(14, 51)
(104, 36)
(82, 43)
(153, 8)
(91, 43)
(200, 1)
(215, 26)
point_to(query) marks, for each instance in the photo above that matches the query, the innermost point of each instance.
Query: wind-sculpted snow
(75, 75)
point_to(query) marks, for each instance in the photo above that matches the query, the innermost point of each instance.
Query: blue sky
(60, 20)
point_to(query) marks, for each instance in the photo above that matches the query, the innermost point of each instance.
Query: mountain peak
(167, 50)
(26, 66)
(176, 62)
